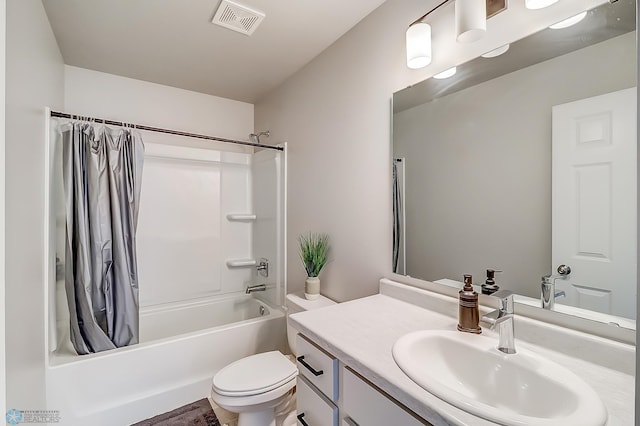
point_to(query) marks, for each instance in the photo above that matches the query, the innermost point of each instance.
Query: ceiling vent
(237, 17)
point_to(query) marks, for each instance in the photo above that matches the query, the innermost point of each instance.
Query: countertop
(361, 333)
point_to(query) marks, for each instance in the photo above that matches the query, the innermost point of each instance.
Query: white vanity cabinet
(317, 386)
(366, 406)
(313, 407)
(331, 394)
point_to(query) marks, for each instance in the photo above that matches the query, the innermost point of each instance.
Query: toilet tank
(296, 302)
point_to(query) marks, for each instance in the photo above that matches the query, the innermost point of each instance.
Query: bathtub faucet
(257, 287)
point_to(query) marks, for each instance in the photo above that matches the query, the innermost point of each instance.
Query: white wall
(118, 98)
(335, 114)
(461, 210)
(34, 79)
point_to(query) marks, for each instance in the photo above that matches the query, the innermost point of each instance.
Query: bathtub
(181, 347)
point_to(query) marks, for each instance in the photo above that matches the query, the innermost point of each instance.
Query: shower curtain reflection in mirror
(102, 172)
(399, 262)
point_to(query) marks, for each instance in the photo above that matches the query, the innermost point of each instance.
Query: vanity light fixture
(496, 52)
(471, 20)
(470, 25)
(538, 4)
(419, 45)
(446, 73)
(569, 21)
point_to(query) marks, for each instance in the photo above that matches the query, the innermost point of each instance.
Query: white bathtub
(171, 320)
(181, 347)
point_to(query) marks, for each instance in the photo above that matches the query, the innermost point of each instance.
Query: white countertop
(361, 333)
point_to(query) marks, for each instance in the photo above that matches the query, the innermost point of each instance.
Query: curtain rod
(160, 130)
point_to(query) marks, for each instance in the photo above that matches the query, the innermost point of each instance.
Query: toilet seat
(257, 402)
(255, 374)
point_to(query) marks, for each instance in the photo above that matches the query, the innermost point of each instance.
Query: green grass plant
(314, 251)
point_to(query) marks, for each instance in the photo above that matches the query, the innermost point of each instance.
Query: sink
(467, 371)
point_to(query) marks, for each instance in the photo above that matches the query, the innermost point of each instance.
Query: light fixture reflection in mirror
(446, 73)
(478, 191)
(496, 52)
(569, 21)
(538, 4)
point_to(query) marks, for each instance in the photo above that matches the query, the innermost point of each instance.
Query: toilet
(254, 386)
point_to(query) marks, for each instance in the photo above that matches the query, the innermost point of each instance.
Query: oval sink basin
(467, 371)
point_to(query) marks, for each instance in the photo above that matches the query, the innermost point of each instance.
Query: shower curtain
(102, 172)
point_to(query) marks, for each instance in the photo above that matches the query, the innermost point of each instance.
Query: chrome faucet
(503, 318)
(257, 287)
(548, 292)
(263, 267)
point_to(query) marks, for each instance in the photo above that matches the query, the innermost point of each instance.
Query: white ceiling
(173, 42)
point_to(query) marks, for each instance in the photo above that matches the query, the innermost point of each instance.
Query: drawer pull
(300, 418)
(310, 368)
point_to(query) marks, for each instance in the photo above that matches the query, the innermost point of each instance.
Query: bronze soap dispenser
(468, 315)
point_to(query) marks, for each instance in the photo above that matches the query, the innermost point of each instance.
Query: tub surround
(361, 334)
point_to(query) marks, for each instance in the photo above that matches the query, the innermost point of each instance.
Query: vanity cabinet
(331, 394)
(317, 386)
(318, 367)
(366, 406)
(313, 407)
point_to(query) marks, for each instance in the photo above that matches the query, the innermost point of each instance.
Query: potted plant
(314, 250)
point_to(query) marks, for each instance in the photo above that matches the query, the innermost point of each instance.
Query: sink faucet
(503, 318)
(257, 287)
(548, 287)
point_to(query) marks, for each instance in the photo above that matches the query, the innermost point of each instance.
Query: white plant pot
(312, 288)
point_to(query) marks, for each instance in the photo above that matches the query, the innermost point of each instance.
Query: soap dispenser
(468, 316)
(490, 286)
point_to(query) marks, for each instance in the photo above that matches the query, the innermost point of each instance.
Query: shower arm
(256, 136)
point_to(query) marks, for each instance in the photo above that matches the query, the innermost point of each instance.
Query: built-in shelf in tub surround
(361, 334)
(241, 217)
(241, 263)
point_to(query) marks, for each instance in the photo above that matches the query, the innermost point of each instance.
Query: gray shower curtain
(397, 211)
(102, 173)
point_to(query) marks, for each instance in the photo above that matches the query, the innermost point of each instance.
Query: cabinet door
(318, 366)
(313, 408)
(368, 407)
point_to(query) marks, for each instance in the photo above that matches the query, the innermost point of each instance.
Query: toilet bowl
(255, 385)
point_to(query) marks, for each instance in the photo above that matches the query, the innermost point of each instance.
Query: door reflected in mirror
(526, 161)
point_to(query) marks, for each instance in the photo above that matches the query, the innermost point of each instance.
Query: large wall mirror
(525, 161)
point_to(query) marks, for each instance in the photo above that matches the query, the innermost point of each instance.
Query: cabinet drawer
(369, 407)
(318, 367)
(313, 408)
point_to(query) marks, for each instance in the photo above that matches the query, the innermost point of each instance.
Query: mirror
(482, 181)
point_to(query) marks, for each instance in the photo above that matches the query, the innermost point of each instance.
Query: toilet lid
(254, 374)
